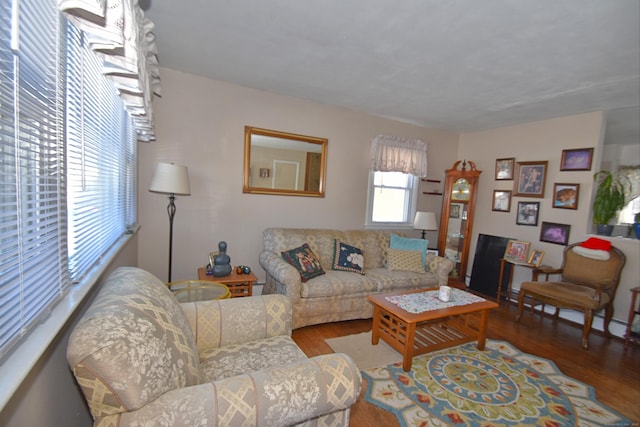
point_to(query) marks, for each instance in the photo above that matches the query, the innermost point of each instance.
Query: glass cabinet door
(457, 217)
(456, 234)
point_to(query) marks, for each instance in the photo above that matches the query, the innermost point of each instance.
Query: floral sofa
(339, 295)
(141, 358)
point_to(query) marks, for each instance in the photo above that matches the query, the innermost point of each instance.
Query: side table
(199, 290)
(240, 285)
(630, 335)
(535, 272)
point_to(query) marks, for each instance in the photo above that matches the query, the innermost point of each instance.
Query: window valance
(395, 154)
(119, 33)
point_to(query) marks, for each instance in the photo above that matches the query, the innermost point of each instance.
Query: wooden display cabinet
(456, 221)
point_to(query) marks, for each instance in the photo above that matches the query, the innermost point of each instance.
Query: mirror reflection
(283, 163)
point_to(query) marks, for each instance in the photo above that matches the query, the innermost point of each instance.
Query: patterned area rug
(500, 386)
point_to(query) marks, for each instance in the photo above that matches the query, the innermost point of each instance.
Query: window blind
(33, 272)
(101, 159)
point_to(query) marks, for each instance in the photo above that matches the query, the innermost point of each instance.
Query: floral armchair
(141, 358)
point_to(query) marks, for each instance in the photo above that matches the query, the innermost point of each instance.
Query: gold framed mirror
(283, 163)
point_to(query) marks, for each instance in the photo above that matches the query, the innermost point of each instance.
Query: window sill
(21, 360)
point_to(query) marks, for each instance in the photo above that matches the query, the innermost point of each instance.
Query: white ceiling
(462, 65)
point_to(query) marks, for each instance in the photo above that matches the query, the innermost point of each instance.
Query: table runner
(428, 300)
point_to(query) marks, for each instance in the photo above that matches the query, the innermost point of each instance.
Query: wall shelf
(434, 193)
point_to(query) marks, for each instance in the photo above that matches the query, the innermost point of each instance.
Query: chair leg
(520, 304)
(588, 320)
(608, 315)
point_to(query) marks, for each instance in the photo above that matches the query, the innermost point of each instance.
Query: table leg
(407, 351)
(482, 332)
(375, 329)
(513, 267)
(500, 280)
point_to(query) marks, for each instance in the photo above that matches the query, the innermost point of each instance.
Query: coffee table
(416, 334)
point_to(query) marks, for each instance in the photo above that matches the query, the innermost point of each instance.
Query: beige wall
(200, 123)
(544, 140)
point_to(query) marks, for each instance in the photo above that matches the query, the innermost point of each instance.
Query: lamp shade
(171, 179)
(425, 221)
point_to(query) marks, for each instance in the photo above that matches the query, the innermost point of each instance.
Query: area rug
(363, 353)
(500, 386)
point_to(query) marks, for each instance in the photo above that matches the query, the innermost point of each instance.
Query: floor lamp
(171, 179)
(425, 221)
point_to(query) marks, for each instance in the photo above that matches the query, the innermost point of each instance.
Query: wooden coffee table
(415, 334)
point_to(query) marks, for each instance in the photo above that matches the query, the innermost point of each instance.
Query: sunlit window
(392, 198)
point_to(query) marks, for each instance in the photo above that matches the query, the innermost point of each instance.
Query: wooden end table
(416, 334)
(634, 311)
(535, 273)
(240, 285)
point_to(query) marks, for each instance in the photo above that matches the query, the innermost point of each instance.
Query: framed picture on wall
(530, 178)
(528, 213)
(578, 159)
(504, 169)
(501, 201)
(565, 196)
(552, 232)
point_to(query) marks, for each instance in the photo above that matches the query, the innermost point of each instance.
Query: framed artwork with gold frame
(530, 178)
(535, 258)
(517, 251)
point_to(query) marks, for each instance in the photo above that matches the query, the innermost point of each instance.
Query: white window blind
(101, 159)
(33, 273)
(68, 160)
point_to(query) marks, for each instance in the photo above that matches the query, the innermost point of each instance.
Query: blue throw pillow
(347, 258)
(408, 244)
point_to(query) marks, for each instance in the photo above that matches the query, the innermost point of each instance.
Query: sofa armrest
(441, 267)
(284, 395)
(286, 276)
(219, 323)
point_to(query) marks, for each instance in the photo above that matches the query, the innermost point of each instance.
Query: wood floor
(613, 371)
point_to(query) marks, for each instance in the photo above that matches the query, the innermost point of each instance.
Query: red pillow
(595, 243)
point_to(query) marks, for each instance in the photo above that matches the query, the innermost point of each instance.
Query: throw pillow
(399, 259)
(408, 244)
(305, 261)
(347, 258)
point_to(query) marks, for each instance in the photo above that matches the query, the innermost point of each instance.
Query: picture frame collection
(529, 180)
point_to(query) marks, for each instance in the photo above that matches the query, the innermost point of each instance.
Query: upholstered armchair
(141, 358)
(588, 282)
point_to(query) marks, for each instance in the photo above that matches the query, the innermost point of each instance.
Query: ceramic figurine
(222, 261)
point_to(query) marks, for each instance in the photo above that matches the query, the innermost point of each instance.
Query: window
(101, 158)
(632, 177)
(392, 197)
(67, 163)
(33, 273)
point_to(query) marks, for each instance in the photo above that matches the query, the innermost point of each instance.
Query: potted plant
(608, 201)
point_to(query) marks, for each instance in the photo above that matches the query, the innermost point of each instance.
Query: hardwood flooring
(613, 371)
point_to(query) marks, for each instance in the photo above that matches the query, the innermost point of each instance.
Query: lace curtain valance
(119, 33)
(395, 154)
